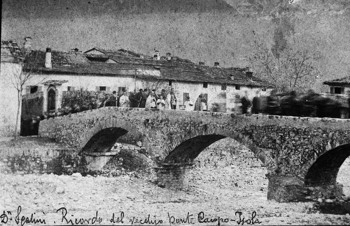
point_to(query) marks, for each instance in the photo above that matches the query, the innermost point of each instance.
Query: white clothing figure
(161, 104)
(189, 106)
(151, 101)
(124, 100)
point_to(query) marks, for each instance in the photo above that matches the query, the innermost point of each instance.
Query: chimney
(48, 58)
(168, 56)
(216, 64)
(156, 55)
(75, 50)
(201, 63)
(27, 45)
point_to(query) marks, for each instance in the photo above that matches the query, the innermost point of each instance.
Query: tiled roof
(128, 62)
(117, 53)
(10, 51)
(339, 81)
(37, 59)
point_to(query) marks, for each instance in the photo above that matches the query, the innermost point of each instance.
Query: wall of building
(214, 91)
(8, 99)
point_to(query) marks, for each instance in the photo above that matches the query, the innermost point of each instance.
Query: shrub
(81, 100)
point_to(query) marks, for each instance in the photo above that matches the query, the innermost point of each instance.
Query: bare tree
(299, 68)
(19, 78)
(292, 67)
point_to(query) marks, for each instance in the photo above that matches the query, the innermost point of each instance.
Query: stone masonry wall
(290, 145)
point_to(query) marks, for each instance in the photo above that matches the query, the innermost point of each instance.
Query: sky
(199, 30)
(55, 20)
(63, 24)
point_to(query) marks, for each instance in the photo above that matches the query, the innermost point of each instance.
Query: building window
(102, 88)
(337, 90)
(186, 96)
(223, 87)
(238, 87)
(70, 88)
(170, 83)
(33, 89)
(121, 90)
(205, 85)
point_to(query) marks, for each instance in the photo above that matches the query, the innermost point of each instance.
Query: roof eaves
(339, 81)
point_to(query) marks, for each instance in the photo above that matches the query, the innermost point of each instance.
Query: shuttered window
(337, 90)
(103, 88)
(70, 88)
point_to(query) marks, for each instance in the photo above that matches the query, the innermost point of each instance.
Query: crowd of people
(149, 99)
(144, 98)
(310, 104)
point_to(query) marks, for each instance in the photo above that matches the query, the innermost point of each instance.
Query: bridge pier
(172, 175)
(292, 189)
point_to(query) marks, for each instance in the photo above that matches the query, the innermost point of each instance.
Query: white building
(340, 91)
(8, 93)
(106, 70)
(339, 86)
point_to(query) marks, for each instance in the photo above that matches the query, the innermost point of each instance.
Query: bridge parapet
(303, 122)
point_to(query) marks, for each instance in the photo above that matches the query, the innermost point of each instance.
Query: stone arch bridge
(303, 155)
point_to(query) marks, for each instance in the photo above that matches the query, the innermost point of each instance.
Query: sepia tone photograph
(175, 112)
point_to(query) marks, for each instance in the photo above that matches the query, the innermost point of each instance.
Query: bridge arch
(190, 148)
(103, 136)
(325, 169)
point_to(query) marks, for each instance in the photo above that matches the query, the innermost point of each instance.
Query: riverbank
(224, 182)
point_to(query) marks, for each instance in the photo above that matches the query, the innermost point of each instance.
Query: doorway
(51, 99)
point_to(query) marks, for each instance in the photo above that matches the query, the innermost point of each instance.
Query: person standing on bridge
(189, 106)
(144, 95)
(100, 99)
(204, 106)
(273, 107)
(138, 97)
(115, 97)
(111, 101)
(124, 100)
(133, 99)
(171, 99)
(151, 101)
(256, 108)
(161, 103)
(246, 104)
